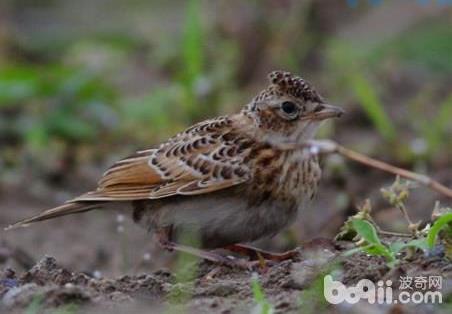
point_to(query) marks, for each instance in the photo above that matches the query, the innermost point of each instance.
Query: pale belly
(216, 220)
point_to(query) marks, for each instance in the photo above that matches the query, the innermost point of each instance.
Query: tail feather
(63, 210)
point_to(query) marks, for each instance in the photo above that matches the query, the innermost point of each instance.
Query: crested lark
(225, 179)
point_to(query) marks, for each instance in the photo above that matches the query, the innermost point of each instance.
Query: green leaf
(192, 44)
(439, 224)
(435, 131)
(355, 250)
(379, 250)
(192, 57)
(37, 135)
(18, 84)
(367, 231)
(73, 128)
(259, 297)
(258, 292)
(442, 120)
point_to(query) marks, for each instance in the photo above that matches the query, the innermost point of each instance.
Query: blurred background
(84, 83)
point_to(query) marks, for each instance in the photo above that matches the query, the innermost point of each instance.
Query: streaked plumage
(227, 178)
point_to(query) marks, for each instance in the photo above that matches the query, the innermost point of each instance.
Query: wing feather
(206, 157)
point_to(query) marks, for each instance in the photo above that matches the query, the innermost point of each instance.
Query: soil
(290, 286)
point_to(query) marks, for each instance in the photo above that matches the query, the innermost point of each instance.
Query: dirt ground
(289, 286)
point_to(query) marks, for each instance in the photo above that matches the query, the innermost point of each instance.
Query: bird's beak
(325, 111)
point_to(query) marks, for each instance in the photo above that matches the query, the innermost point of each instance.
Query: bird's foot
(258, 260)
(255, 254)
(214, 257)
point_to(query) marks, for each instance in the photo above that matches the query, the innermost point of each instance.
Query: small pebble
(147, 256)
(97, 274)
(120, 218)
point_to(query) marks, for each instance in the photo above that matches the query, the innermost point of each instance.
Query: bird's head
(289, 109)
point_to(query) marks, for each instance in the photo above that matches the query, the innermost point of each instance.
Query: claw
(258, 254)
(259, 260)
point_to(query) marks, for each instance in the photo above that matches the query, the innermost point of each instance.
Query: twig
(394, 234)
(420, 178)
(384, 232)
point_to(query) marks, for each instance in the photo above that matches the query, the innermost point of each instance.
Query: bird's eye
(289, 108)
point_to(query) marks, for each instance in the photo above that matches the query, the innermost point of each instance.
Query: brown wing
(207, 157)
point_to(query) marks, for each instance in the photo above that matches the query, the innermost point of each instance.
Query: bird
(228, 180)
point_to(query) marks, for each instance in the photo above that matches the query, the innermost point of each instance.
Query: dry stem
(420, 178)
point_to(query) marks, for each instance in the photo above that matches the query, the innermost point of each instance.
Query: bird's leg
(256, 254)
(163, 236)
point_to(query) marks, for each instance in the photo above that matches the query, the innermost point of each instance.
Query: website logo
(416, 290)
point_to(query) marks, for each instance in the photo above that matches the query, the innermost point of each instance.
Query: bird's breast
(290, 177)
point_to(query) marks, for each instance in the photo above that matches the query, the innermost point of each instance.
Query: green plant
(434, 131)
(35, 305)
(185, 271)
(370, 243)
(365, 232)
(425, 45)
(362, 228)
(192, 56)
(153, 116)
(70, 308)
(18, 83)
(369, 101)
(442, 223)
(59, 102)
(349, 62)
(263, 306)
(397, 194)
